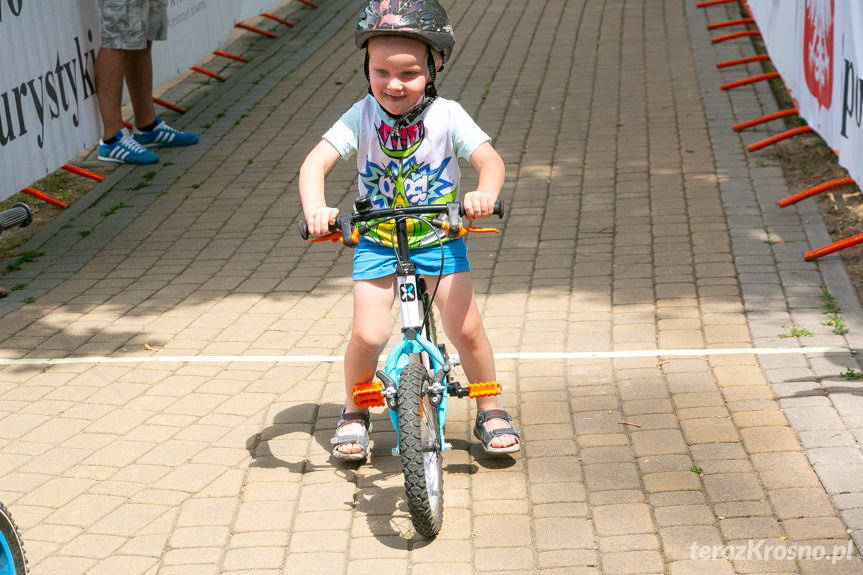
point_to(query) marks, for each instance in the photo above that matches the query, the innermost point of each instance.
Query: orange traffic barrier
(224, 54)
(734, 35)
(826, 186)
(44, 197)
(169, 105)
(83, 172)
(750, 80)
(834, 247)
(206, 72)
(255, 30)
(714, 3)
(730, 23)
(779, 137)
(277, 19)
(746, 60)
(765, 119)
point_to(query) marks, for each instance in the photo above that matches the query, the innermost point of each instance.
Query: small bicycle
(12, 559)
(416, 380)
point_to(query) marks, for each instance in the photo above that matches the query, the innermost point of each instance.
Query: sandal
(487, 436)
(361, 440)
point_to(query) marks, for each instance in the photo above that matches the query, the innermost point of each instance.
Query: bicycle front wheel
(420, 447)
(12, 560)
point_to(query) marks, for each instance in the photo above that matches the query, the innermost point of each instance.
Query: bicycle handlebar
(345, 222)
(19, 214)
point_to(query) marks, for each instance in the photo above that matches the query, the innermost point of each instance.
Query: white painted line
(520, 355)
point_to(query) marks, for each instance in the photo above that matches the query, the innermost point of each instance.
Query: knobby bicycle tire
(419, 443)
(12, 559)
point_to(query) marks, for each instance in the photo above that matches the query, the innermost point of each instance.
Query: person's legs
(109, 89)
(373, 300)
(139, 79)
(462, 324)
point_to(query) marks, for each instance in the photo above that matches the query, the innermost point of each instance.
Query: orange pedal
(483, 389)
(369, 394)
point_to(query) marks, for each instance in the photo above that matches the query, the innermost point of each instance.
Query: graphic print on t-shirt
(400, 180)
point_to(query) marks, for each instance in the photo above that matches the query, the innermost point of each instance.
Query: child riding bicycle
(408, 141)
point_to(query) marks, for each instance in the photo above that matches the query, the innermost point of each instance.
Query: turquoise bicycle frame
(414, 342)
(398, 357)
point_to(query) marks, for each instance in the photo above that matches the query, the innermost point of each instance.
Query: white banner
(848, 95)
(195, 29)
(48, 107)
(250, 8)
(817, 47)
(776, 18)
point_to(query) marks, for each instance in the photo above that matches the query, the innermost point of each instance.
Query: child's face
(398, 72)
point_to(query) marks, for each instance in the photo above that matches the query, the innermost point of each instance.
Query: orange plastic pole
(277, 19)
(734, 35)
(714, 3)
(730, 23)
(826, 186)
(44, 197)
(255, 30)
(779, 137)
(307, 3)
(750, 80)
(746, 60)
(834, 247)
(224, 54)
(83, 172)
(169, 105)
(765, 119)
(208, 73)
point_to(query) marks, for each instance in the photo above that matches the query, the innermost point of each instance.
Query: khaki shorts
(130, 24)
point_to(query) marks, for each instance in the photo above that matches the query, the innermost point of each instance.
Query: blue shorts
(372, 261)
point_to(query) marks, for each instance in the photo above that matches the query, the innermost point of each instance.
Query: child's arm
(488, 163)
(317, 164)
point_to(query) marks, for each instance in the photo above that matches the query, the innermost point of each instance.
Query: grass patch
(111, 210)
(22, 259)
(830, 307)
(851, 374)
(795, 331)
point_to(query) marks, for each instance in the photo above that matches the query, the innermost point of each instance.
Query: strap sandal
(486, 436)
(362, 439)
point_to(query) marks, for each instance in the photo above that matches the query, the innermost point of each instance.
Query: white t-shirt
(417, 166)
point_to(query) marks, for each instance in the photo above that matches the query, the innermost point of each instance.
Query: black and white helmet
(424, 20)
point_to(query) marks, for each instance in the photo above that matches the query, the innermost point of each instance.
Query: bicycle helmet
(423, 20)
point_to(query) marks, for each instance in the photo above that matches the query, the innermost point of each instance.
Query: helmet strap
(431, 91)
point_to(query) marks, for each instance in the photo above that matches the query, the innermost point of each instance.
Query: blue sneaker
(125, 151)
(164, 135)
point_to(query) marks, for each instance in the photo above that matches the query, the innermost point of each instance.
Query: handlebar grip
(304, 226)
(19, 214)
(498, 209)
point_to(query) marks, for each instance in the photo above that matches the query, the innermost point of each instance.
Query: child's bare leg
(462, 323)
(373, 300)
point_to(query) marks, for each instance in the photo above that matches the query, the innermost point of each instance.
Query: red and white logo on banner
(818, 50)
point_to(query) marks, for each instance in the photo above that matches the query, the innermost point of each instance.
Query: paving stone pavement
(636, 222)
